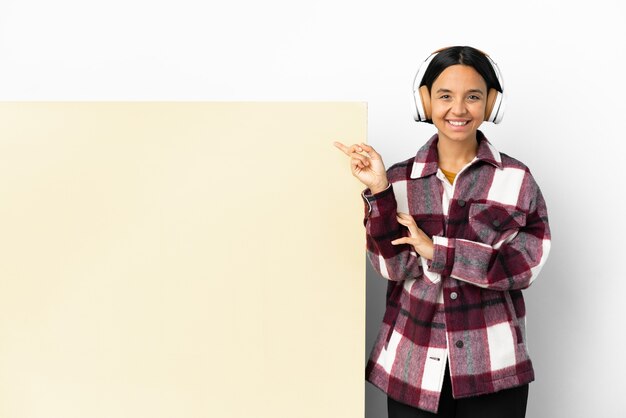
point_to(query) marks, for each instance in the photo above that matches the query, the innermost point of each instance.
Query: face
(458, 100)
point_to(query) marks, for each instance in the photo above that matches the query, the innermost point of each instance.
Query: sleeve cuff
(443, 255)
(378, 203)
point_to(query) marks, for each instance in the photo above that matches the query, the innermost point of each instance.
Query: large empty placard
(180, 259)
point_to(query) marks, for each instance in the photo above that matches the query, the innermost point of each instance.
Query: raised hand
(366, 165)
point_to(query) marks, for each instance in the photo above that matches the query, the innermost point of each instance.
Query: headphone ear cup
(419, 115)
(495, 106)
(421, 96)
(491, 101)
(499, 108)
(425, 99)
(496, 111)
(417, 111)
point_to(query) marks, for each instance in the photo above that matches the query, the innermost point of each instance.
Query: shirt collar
(426, 160)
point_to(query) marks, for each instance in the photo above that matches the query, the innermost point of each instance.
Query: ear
(425, 96)
(491, 100)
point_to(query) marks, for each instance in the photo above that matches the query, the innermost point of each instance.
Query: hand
(366, 165)
(417, 238)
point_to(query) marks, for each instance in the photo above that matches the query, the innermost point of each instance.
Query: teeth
(456, 123)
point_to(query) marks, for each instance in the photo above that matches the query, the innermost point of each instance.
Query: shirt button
(453, 295)
(495, 223)
(461, 202)
(459, 344)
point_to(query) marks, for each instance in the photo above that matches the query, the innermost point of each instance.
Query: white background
(562, 62)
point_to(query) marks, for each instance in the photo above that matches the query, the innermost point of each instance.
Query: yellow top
(449, 175)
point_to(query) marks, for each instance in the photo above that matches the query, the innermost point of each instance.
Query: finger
(356, 148)
(404, 240)
(402, 221)
(362, 158)
(405, 219)
(369, 150)
(356, 165)
(408, 221)
(353, 152)
(348, 150)
(342, 147)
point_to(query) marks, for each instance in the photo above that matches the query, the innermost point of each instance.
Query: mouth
(458, 122)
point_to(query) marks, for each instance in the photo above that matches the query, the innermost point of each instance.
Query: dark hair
(464, 55)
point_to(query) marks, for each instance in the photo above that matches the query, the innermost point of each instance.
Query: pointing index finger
(342, 147)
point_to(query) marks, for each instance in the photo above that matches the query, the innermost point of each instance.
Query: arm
(392, 261)
(511, 264)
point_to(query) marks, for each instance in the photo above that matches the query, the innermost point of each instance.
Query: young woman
(458, 231)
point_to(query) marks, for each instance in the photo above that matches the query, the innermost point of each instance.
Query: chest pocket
(492, 224)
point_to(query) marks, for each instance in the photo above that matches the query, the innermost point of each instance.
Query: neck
(454, 155)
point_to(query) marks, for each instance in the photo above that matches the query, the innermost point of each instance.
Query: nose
(458, 107)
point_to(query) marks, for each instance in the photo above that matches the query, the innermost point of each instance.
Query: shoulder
(513, 163)
(503, 161)
(515, 181)
(517, 168)
(401, 170)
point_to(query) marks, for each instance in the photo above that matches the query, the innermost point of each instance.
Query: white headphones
(421, 95)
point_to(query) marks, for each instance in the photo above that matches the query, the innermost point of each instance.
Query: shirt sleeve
(510, 264)
(393, 262)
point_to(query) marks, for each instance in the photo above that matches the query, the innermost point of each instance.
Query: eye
(444, 96)
(474, 97)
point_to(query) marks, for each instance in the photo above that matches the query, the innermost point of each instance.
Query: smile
(458, 122)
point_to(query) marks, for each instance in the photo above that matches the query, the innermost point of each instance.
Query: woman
(459, 230)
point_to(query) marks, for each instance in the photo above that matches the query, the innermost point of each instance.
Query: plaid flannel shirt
(491, 238)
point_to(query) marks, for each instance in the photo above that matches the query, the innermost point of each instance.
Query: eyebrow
(440, 90)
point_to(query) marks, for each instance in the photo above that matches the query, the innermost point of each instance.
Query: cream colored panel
(180, 260)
